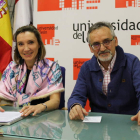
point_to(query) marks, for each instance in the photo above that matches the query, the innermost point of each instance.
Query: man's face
(104, 53)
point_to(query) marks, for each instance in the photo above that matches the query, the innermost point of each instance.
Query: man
(110, 80)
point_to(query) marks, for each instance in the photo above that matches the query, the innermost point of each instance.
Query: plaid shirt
(106, 74)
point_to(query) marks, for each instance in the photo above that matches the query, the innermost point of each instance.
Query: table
(57, 125)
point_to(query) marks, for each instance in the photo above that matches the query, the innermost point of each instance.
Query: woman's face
(28, 46)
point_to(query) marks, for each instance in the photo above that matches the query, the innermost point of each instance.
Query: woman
(32, 81)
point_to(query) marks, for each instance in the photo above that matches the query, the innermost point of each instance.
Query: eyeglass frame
(103, 44)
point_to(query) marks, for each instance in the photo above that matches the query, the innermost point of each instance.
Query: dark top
(37, 101)
(28, 72)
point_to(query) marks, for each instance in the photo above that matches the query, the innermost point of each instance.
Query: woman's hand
(1, 109)
(35, 109)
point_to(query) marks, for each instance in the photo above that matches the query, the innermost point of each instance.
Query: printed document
(93, 119)
(9, 117)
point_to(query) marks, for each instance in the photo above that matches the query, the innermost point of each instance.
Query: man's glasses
(105, 42)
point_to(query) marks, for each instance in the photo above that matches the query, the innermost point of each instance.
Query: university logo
(58, 5)
(135, 39)
(47, 32)
(52, 59)
(77, 63)
(3, 8)
(127, 3)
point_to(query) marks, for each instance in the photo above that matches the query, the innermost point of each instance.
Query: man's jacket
(123, 96)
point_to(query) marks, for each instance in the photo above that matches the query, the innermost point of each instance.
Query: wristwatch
(45, 106)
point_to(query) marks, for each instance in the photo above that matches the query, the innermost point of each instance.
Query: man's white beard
(105, 59)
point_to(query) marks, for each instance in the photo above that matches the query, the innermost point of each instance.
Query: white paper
(8, 116)
(94, 119)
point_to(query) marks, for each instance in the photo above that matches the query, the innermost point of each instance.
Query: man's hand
(77, 113)
(35, 109)
(1, 109)
(136, 118)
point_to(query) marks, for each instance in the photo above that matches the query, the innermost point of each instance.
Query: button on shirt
(106, 74)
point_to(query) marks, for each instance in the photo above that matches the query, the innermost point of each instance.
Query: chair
(62, 97)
